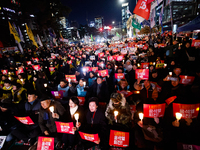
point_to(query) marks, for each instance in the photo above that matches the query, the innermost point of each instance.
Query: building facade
(125, 15)
(99, 22)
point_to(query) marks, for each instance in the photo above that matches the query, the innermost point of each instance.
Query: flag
(14, 32)
(30, 35)
(39, 41)
(91, 38)
(117, 34)
(78, 34)
(142, 9)
(152, 21)
(149, 1)
(135, 24)
(20, 35)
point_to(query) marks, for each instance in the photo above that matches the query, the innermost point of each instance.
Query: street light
(121, 1)
(113, 22)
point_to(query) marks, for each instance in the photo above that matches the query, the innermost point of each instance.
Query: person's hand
(55, 115)
(98, 141)
(84, 74)
(156, 120)
(74, 129)
(166, 78)
(138, 80)
(176, 123)
(3, 109)
(108, 76)
(46, 132)
(78, 124)
(140, 123)
(70, 85)
(189, 121)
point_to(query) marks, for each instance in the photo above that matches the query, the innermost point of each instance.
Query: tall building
(99, 22)
(125, 15)
(91, 24)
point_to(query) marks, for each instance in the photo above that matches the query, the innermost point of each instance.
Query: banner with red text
(142, 74)
(25, 120)
(119, 138)
(89, 137)
(71, 77)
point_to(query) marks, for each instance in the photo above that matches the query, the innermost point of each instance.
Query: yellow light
(197, 109)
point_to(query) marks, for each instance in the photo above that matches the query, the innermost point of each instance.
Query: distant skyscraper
(125, 15)
(98, 22)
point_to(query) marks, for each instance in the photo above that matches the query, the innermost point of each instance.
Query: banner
(115, 50)
(89, 137)
(119, 138)
(20, 70)
(36, 67)
(110, 58)
(103, 73)
(186, 79)
(29, 62)
(170, 100)
(4, 72)
(31, 36)
(159, 66)
(101, 55)
(187, 110)
(119, 76)
(25, 120)
(53, 57)
(181, 146)
(195, 43)
(153, 110)
(142, 74)
(123, 51)
(2, 141)
(72, 77)
(81, 100)
(14, 32)
(63, 40)
(9, 48)
(119, 58)
(144, 65)
(45, 143)
(95, 69)
(63, 127)
(57, 94)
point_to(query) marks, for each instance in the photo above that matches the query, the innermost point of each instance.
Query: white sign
(2, 141)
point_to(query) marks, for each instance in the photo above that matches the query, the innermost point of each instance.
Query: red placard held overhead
(86, 69)
(142, 74)
(110, 58)
(89, 137)
(187, 110)
(103, 73)
(101, 55)
(153, 110)
(186, 79)
(36, 67)
(195, 43)
(45, 143)
(81, 100)
(95, 69)
(119, 58)
(4, 72)
(29, 62)
(25, 120)
(119, 138)
(119, 76)
(144, 65)
(72, 77)
(170, 100)
(63, 127)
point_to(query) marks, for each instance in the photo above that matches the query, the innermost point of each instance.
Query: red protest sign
(29, 62)
(119, 139)
(126, 93)
(187, 110)
(170, 100)
(69, 62)
(119, 58)
(101, 55)
(4, 72)
(89, 137)
(57, 94)
(103, 73)
(51, 69)
(36, 67)
(161, 45)
(53, 57)
(95, 69)
(142, 74)
(145, 47)
(110, 58)
(25, 120)
(45, 143)
(115, 50)
(144, 65)
(20, 70)
(81, 100)
(63, 127)
(119, 76)
(72, 77)
(35, 59)
(186, 79)
(195, 43)
(153, 110)
(86, 69)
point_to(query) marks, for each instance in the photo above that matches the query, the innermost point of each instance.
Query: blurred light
(32, 16)
(101, 29)
(121, 1)
(113, 22)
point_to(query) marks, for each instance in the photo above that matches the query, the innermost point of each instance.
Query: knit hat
(116, 97)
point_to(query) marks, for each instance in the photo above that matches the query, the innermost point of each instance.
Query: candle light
(116, 114)
(21, 80)
(138, 65)
(9, 78)
(178, 116)
(170, 73)
(76, 116)
(141, 116)
(51, 109)
(137, 92)
(185, 77)
(45, 85)
(84, 83)
(154, 63)
(69, 80)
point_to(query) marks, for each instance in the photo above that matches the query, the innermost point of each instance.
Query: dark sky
(109, 9)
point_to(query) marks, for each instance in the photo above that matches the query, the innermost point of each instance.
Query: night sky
(109, 9)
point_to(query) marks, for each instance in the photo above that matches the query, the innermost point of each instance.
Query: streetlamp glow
(121, 1)
(113, 22)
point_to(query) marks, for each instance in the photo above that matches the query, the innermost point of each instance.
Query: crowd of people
(86, 78)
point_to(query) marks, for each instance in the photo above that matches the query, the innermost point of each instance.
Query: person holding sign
(81, 88)
(63, 87)
(77, 117)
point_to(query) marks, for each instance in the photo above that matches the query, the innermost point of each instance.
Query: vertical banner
(187, 110)
(45, 143)
(89, 137)
(63, 127)
(142, 74)
(153, 110)
(119, 138)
